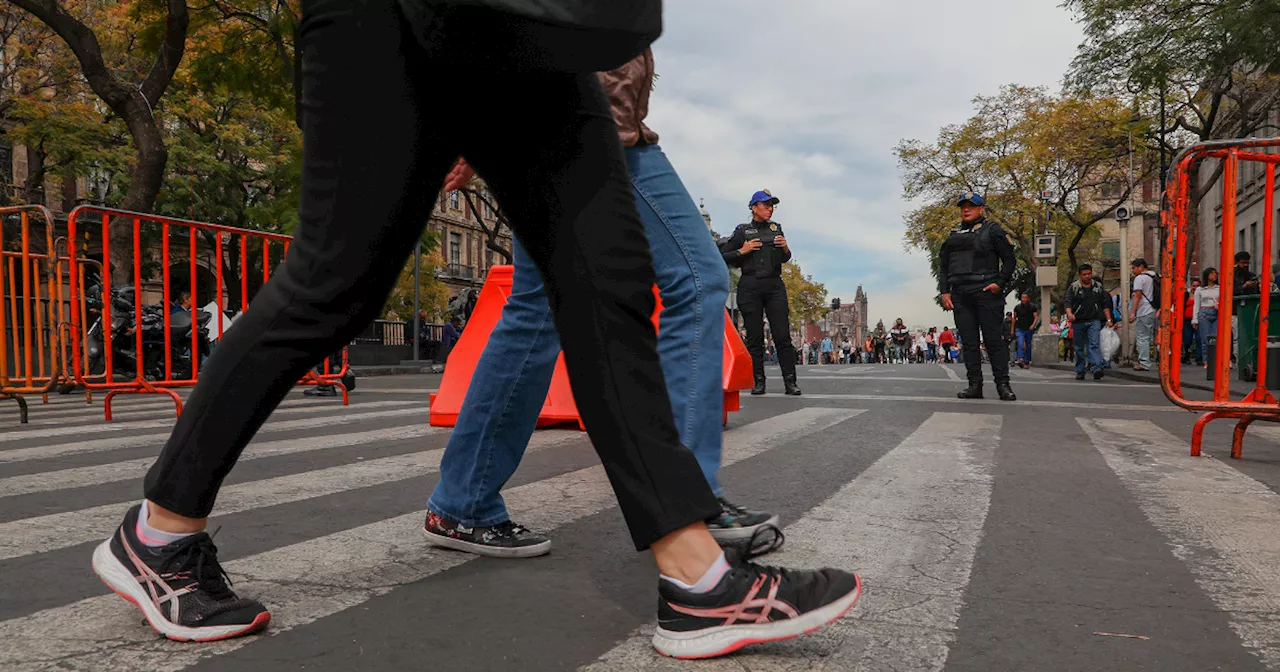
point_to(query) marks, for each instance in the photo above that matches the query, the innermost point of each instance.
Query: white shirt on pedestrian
(1146, 284)
(1205, 297)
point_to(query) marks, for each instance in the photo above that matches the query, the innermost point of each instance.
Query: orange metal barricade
(1259, 403)
(34, 306)
(178, 246)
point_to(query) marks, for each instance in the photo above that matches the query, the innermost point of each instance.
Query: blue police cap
(763, 196)
(971, 197)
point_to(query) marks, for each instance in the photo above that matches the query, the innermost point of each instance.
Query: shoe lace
(196, 557)
(767, 539)
(508, 530)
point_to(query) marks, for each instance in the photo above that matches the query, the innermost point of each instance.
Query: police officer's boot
(974, 391)
(789, 382)
(1006, 392)
(759, 387)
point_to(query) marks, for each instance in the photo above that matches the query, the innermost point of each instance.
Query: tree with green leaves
(1200, 69)
(1033, 156)
(806, 298)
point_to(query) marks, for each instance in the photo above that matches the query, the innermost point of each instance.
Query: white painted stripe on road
(910, 525)
(62, 530)
(1146, 408)
(1060, 382)
(951, 372)
(94, 414)
(156, 439)
(396, 390)
(305, 582)
(80, 477)
(129, 426)
(1218, 521)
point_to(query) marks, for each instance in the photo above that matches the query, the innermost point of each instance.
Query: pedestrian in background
(1142, 311)
(760, 249)
(1205, 311)
(1088, 307)
(977, 265)
(1025, 320)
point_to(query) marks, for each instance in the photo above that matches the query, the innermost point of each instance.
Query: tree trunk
(33, 187)
(1071, 249)
(134, 102)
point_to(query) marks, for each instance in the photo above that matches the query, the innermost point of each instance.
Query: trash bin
(1210, 357)
(1247, 309)
(1273, 362)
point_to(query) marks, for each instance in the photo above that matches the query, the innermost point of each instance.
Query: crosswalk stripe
(62, 530)
(1145, 408)
(951, 373)
(910, 525)
(305, 582)
(156, 439)
(1065, 381)
(79, 477)
(94, 414)
(128, 426)
(1221, 523)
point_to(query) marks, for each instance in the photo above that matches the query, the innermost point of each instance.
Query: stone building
(1250, 208)
(467, 259)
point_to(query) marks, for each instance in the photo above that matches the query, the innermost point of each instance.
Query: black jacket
(976, 254)
(765, 262)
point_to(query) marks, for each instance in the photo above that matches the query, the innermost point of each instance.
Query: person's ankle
(167, 521)
(687, 553)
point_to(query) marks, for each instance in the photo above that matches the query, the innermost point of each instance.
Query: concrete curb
(1134, 376)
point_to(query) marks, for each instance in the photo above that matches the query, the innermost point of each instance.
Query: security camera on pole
(1123, 215)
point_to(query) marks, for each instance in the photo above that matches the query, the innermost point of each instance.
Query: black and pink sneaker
(180, 588)
(504, 540)
(752, 604)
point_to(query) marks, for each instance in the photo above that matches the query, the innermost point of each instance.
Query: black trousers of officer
(757, 298)
(976, 309)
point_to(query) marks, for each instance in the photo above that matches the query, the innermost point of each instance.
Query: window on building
(455, 248)
(469, 249)
(455, 200)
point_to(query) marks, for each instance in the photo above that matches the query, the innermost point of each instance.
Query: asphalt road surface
(1066, 531)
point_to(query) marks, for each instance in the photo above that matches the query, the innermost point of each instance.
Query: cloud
(808, 98)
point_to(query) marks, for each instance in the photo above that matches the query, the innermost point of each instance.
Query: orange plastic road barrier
(34, 308)
(559, 407)
(151, 367)
(1259, 403)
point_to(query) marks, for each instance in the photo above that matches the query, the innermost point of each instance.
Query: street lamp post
(417, 283)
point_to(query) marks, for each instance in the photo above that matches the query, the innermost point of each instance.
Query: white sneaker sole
(487, 551)
(725, 639)
(120, 580)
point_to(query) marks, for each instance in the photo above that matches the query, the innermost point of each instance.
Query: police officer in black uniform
(760, 249)
(976, 266)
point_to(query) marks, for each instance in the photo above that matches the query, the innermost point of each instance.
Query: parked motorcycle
(124, 355)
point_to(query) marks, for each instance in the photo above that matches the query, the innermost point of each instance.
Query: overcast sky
(807, 98)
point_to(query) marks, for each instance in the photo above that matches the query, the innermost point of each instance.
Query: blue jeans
(1088, 347)
(511, 379)
(1208, 328)
(1024, 344)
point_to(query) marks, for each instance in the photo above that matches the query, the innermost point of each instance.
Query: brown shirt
(627, 89)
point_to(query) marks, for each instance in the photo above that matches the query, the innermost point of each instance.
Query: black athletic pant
(379, 136)
(760, 297)
(978, 309)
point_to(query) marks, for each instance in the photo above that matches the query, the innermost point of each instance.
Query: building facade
(1250, 212)
(467, 258)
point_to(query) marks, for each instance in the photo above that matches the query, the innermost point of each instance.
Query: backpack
(1154, 299)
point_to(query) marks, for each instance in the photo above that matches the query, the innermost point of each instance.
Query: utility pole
(1123, 215)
